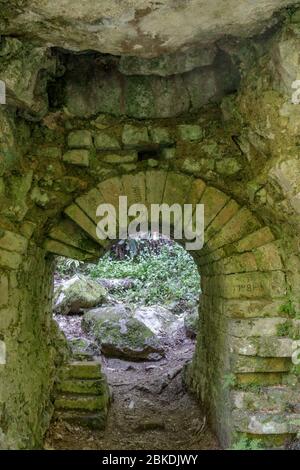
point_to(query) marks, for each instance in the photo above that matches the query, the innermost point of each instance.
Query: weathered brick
(78, 157)
(249, 364)
(255, 327)
(191, 132)
(122, 159)
(9, 259)
(134, 136)
(90, 202)
(104, 141)
(268, 257)
(254, 285)
(213, 200)
(242, 223)
(81, 139)
(176, 188)
(254, 240)
(111, 189)
(3, 290)
(135, 188)
(160, 135)
(61, 249)
(11, 241)
(81, 219)
(155, 185)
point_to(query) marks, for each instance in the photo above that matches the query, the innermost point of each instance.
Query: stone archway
(216, 124)
(240, 347)
(243, 285)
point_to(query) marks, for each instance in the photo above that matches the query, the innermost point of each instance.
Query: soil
(151, 408)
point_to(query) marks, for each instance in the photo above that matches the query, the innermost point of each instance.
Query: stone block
(3, 290)
(266, 423)
(80, 402)
(270, 399)
(190, 132)
(27, 229)
(269, 346)
(251, 364)
(199, 166)
(258, 285)
(111, 189)
(236, 264)
(93, 421)
(176, 189)
(251, 308)
(268, 257)
(259, 379)
(80, 157)
(82, 370)
(255, 327)
(10, 259)
(89, 203)
(195, 193)
(2, 353)
(168, 153)
(213, 200)
(228, 166)
(68, 233)
(161, 136)
(104, 141)
(81, 219)
(81, 386)
(241, 224)
(49, 151)
(61, 249)
(135, 188)
(228, 211)
(155, 185)
(134, 136)
(254, 240)
(81, 139)
(13, 242)
(119, 159)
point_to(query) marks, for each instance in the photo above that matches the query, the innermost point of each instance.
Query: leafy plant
(163, 272)
(289, 309)
(246, 443)
(229, 381)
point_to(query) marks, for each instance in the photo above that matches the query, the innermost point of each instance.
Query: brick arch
(239, 346)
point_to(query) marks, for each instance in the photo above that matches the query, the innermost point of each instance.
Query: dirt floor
(151, 408)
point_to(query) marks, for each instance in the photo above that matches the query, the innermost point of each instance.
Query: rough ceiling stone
(135, 27)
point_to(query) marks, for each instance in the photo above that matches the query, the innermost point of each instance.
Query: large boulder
(77, 294)
(119, 334)
(24, 68)
(135, 27)
(191, 323)
(158, 319)
(113, 285)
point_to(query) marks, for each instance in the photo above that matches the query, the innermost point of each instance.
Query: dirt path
(151, 409)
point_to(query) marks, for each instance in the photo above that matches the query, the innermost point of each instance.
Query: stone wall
(30, 344)
(240, 159)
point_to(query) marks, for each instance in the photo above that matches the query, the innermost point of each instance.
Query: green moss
(244, 442)
(289, 330)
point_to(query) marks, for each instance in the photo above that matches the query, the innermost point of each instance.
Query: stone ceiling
(135, 27)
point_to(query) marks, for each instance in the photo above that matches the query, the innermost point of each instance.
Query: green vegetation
(289, 309)
(229, 381)
(245, 443)
(163, 272)
(288, 329)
